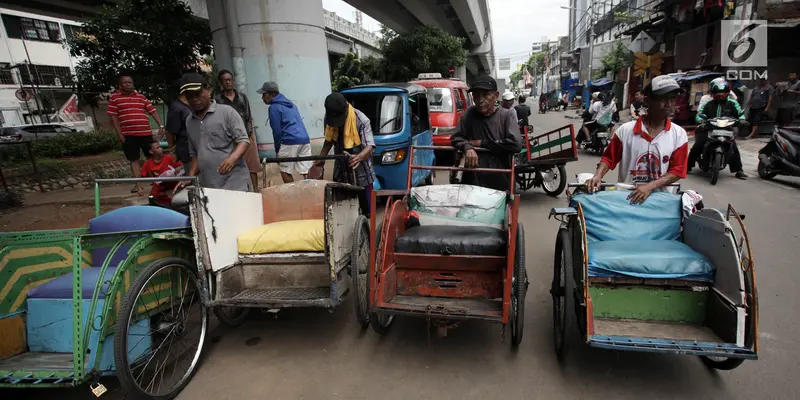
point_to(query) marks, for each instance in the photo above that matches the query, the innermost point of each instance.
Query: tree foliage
(161, 40)
(372, 68)
(348, 73)
(423, 49)
(617, 58)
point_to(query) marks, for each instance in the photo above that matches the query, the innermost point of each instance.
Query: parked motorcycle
(719, 145)
(781, 155)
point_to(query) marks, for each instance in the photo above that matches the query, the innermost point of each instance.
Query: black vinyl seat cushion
(453, 240)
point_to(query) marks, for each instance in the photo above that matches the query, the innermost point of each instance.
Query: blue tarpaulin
(700, 75)
(601, 82)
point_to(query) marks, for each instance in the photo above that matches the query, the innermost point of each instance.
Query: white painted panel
(233, 213)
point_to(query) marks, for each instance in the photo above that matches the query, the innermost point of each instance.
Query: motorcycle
(598, 139)
(781, 155)
(718, 147)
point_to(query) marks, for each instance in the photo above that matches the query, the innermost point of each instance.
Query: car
(10, 134)
(38, 131)
(448, 99)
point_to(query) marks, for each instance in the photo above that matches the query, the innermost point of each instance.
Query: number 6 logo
(740, 39)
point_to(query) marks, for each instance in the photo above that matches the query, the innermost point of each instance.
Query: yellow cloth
(351, 136)
(283, 237)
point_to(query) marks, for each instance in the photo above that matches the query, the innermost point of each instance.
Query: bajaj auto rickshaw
(398, 113)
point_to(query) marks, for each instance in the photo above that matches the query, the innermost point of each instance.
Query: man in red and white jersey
(128, 110)
(651, 151)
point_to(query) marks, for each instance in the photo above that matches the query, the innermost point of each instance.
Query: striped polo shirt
(132, 110)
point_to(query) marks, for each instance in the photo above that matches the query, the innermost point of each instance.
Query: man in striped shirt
(128, 110)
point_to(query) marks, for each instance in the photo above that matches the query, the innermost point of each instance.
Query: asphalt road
(313, 354)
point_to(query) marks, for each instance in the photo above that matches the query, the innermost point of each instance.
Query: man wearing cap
(487, 126)
(217, 140)
(508, 104)
(288, 132)
(231, 97)
(348, 131)
(651, 150)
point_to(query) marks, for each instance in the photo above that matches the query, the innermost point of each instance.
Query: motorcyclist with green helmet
(721, 105)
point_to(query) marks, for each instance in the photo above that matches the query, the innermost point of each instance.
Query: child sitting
(160, 164)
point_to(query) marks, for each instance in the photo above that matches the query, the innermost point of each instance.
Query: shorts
(133, 144)
(251, 156)
(295, 150)
(756, 116)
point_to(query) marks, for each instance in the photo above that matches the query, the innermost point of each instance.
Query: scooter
(781, 155)
(598, 139)
(719, 145)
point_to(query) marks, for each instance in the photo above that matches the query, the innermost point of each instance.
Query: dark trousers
(700, 139)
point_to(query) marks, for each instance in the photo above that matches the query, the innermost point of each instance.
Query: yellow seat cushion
(284, 236)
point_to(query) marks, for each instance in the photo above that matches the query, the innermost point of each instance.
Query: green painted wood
(552, 143)
(649, 303)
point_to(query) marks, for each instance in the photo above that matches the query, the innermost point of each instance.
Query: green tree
(348, 73)
(372, 68)
(161, 41)
(617, 58)
(387, 35)
(423, 49)
(515, 77)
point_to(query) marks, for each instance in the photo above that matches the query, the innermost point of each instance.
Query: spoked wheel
(716, 165)
(519, 289)
(561, 291)
(160, 330)
(379, 321)
(554, 181)
(230, 316)
(359, 271)
(525, 180)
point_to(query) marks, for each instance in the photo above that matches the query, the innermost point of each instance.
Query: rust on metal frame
(449, 263)
(470, 285)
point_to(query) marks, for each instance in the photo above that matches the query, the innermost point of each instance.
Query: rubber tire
(715, 167)
(763, 173)
(380, 323)
(563, 251)
(362, 310)
(520, 288)
(225, 319)
(121, 331)
(724, 365)
(562, 184)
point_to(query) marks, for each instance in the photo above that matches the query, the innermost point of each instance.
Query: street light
(591, 36)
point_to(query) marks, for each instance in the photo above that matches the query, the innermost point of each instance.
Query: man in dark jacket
(487, 126)
(721, 105)
(288, 132)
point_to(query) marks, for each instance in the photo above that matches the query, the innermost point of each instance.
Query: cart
(543, 160)
(114, 298)
(449, 253)
(654, 278)
(301, 244)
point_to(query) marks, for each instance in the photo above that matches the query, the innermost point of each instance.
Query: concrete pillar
(284, 42)
(219, 34)
(461, 73)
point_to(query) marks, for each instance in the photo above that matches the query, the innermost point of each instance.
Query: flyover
(464, 18)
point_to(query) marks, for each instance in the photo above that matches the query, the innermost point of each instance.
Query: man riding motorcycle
(721, 105)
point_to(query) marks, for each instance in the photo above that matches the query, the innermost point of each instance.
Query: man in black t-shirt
(487, 126)
(177, 136)
(523, 111)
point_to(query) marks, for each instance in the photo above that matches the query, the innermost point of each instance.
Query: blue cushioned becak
(657, 259)
(609, 215)
(61, 287)
(133, 218)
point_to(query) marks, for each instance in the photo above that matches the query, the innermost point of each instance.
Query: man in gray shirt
(217, 139)
(789, 97)
(759, 104)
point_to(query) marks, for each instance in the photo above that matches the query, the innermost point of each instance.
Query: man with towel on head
(348, 131)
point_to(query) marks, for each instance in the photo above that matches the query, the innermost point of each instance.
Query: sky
(516, 24)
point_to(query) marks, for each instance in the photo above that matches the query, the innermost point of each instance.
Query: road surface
(313, 354)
